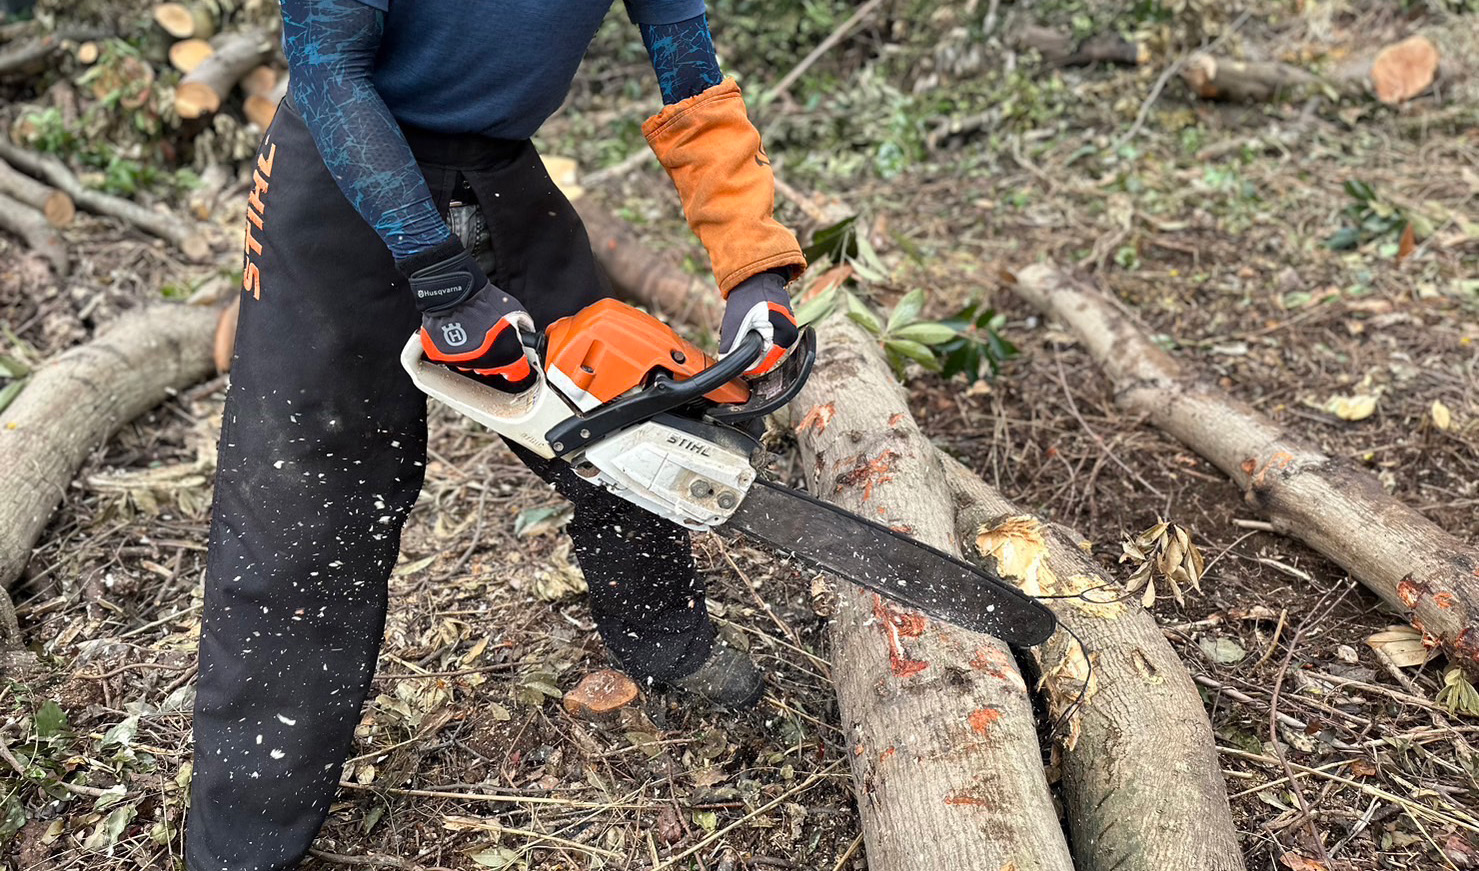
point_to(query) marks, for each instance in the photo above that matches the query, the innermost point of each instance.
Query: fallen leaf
(1442, 417)
(1295, 862)
(1407, 244)
(541, 521)
(1223, 650)
(1403, 70)
(1403, 645)
(1358, 407)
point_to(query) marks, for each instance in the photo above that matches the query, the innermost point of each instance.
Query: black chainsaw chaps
(322, 455)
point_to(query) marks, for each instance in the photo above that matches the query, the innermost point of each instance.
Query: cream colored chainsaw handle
(522, 417)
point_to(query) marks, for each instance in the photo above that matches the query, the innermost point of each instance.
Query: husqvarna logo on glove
(454, 334)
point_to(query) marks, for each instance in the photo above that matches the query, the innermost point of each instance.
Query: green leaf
(816, 308)
(122, 734)
(914, 351)
(12, 815)
(1360, 190)
(926, 333)
(111, 796)
(863, 316)
(706, 820)
(51, 720)
(832, 243)
(540, 521)
(9, 392)
(907, 311)
(110, 829)
(1344, 239)
(868, 258)
(10, 367)
(1223, 650)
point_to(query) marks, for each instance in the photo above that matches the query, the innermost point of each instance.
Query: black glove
(760, 304)
(466, 322)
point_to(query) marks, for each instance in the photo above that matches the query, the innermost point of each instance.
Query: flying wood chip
(1403, 70)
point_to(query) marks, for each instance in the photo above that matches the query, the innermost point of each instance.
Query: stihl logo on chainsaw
(454, 334)
(688, 444)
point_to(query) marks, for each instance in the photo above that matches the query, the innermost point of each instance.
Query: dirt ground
(965, 160)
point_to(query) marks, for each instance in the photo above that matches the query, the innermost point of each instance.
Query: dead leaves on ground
(1165, 550)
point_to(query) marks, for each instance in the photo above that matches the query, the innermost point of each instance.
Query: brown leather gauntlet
(713, 155)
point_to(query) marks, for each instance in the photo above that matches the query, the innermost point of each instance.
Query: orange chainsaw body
(609, 348)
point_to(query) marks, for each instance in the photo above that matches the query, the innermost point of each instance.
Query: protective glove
(760, 304)
(466, 322)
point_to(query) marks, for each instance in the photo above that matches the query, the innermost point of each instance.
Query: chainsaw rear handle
(664, 395)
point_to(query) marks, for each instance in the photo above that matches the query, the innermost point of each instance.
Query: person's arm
(466, 322)
(704, 139)
(331, 46)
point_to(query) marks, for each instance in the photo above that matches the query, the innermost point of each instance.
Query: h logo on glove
(453, 334)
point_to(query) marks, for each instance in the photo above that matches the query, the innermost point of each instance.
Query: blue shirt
(501, 67)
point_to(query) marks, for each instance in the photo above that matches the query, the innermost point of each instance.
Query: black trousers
(322, 452)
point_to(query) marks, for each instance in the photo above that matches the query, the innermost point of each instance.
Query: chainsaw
(633, 407)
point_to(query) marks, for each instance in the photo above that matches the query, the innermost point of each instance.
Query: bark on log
(1141, 778)
(204, 88)
(943, 745)
(1235, 81)
(73, 403)
(1058, 48)
(632, 269)
(32, 55)
(55, 205)
(1331, 505)
(182, 234)
(39, 235)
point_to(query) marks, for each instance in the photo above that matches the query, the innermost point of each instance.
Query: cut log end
(1404, 70)
(187, 54)
(259, 110)
(600, 695)
(196, 248)
(225, 344)
(260, 81)
(196, 100)
(59, 209)
(175, 19)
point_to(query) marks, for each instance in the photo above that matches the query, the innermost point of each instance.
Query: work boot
(728, 678)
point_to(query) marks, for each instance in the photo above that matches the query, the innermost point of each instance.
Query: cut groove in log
(38, 233)
(632, 268)
(55, 205)
(204, 88)
(943, 745)
(1141, 778)
(187, 54)
(1332, 506)
(182, 234)
(76, 401)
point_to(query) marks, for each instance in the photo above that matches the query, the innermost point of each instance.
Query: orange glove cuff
(713, 155)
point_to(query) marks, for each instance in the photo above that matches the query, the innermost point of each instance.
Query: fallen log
(639, 274)
(203, 89)
(1141, 778)
(76, 401)
(941, 735)
(1061, 49)
(1328, 503)
(55, 205)
(184, 235)
(37, 232)
(32, 55)
(1234, 81)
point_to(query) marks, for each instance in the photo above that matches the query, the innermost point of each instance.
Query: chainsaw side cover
(694, 482)
(610, 348)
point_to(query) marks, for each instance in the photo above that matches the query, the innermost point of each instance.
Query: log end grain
(600, 695)
(187, 54)
(1403, 70)
(196, 100)
(259, 109)
(59, 209)
(175, 19)
(225, 344)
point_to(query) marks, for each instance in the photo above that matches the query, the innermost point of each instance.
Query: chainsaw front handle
(665, 394)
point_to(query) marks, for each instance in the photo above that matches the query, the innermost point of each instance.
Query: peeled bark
(39, 235)
(75, 402)
(204, 88)
(1328, 503)
(639, 274)
(941, 734)
(184, 235)
(1141, 778)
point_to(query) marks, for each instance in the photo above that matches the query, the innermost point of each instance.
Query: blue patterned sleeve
(330, 46)
(683, 57)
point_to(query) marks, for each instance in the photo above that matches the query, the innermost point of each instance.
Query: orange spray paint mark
(887, 753)
(893, 419)
(1408, 592)
(1279, 461)
(897, 625)
(1443, 600)
(965, 798)
(982, 719)
(991, 661)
